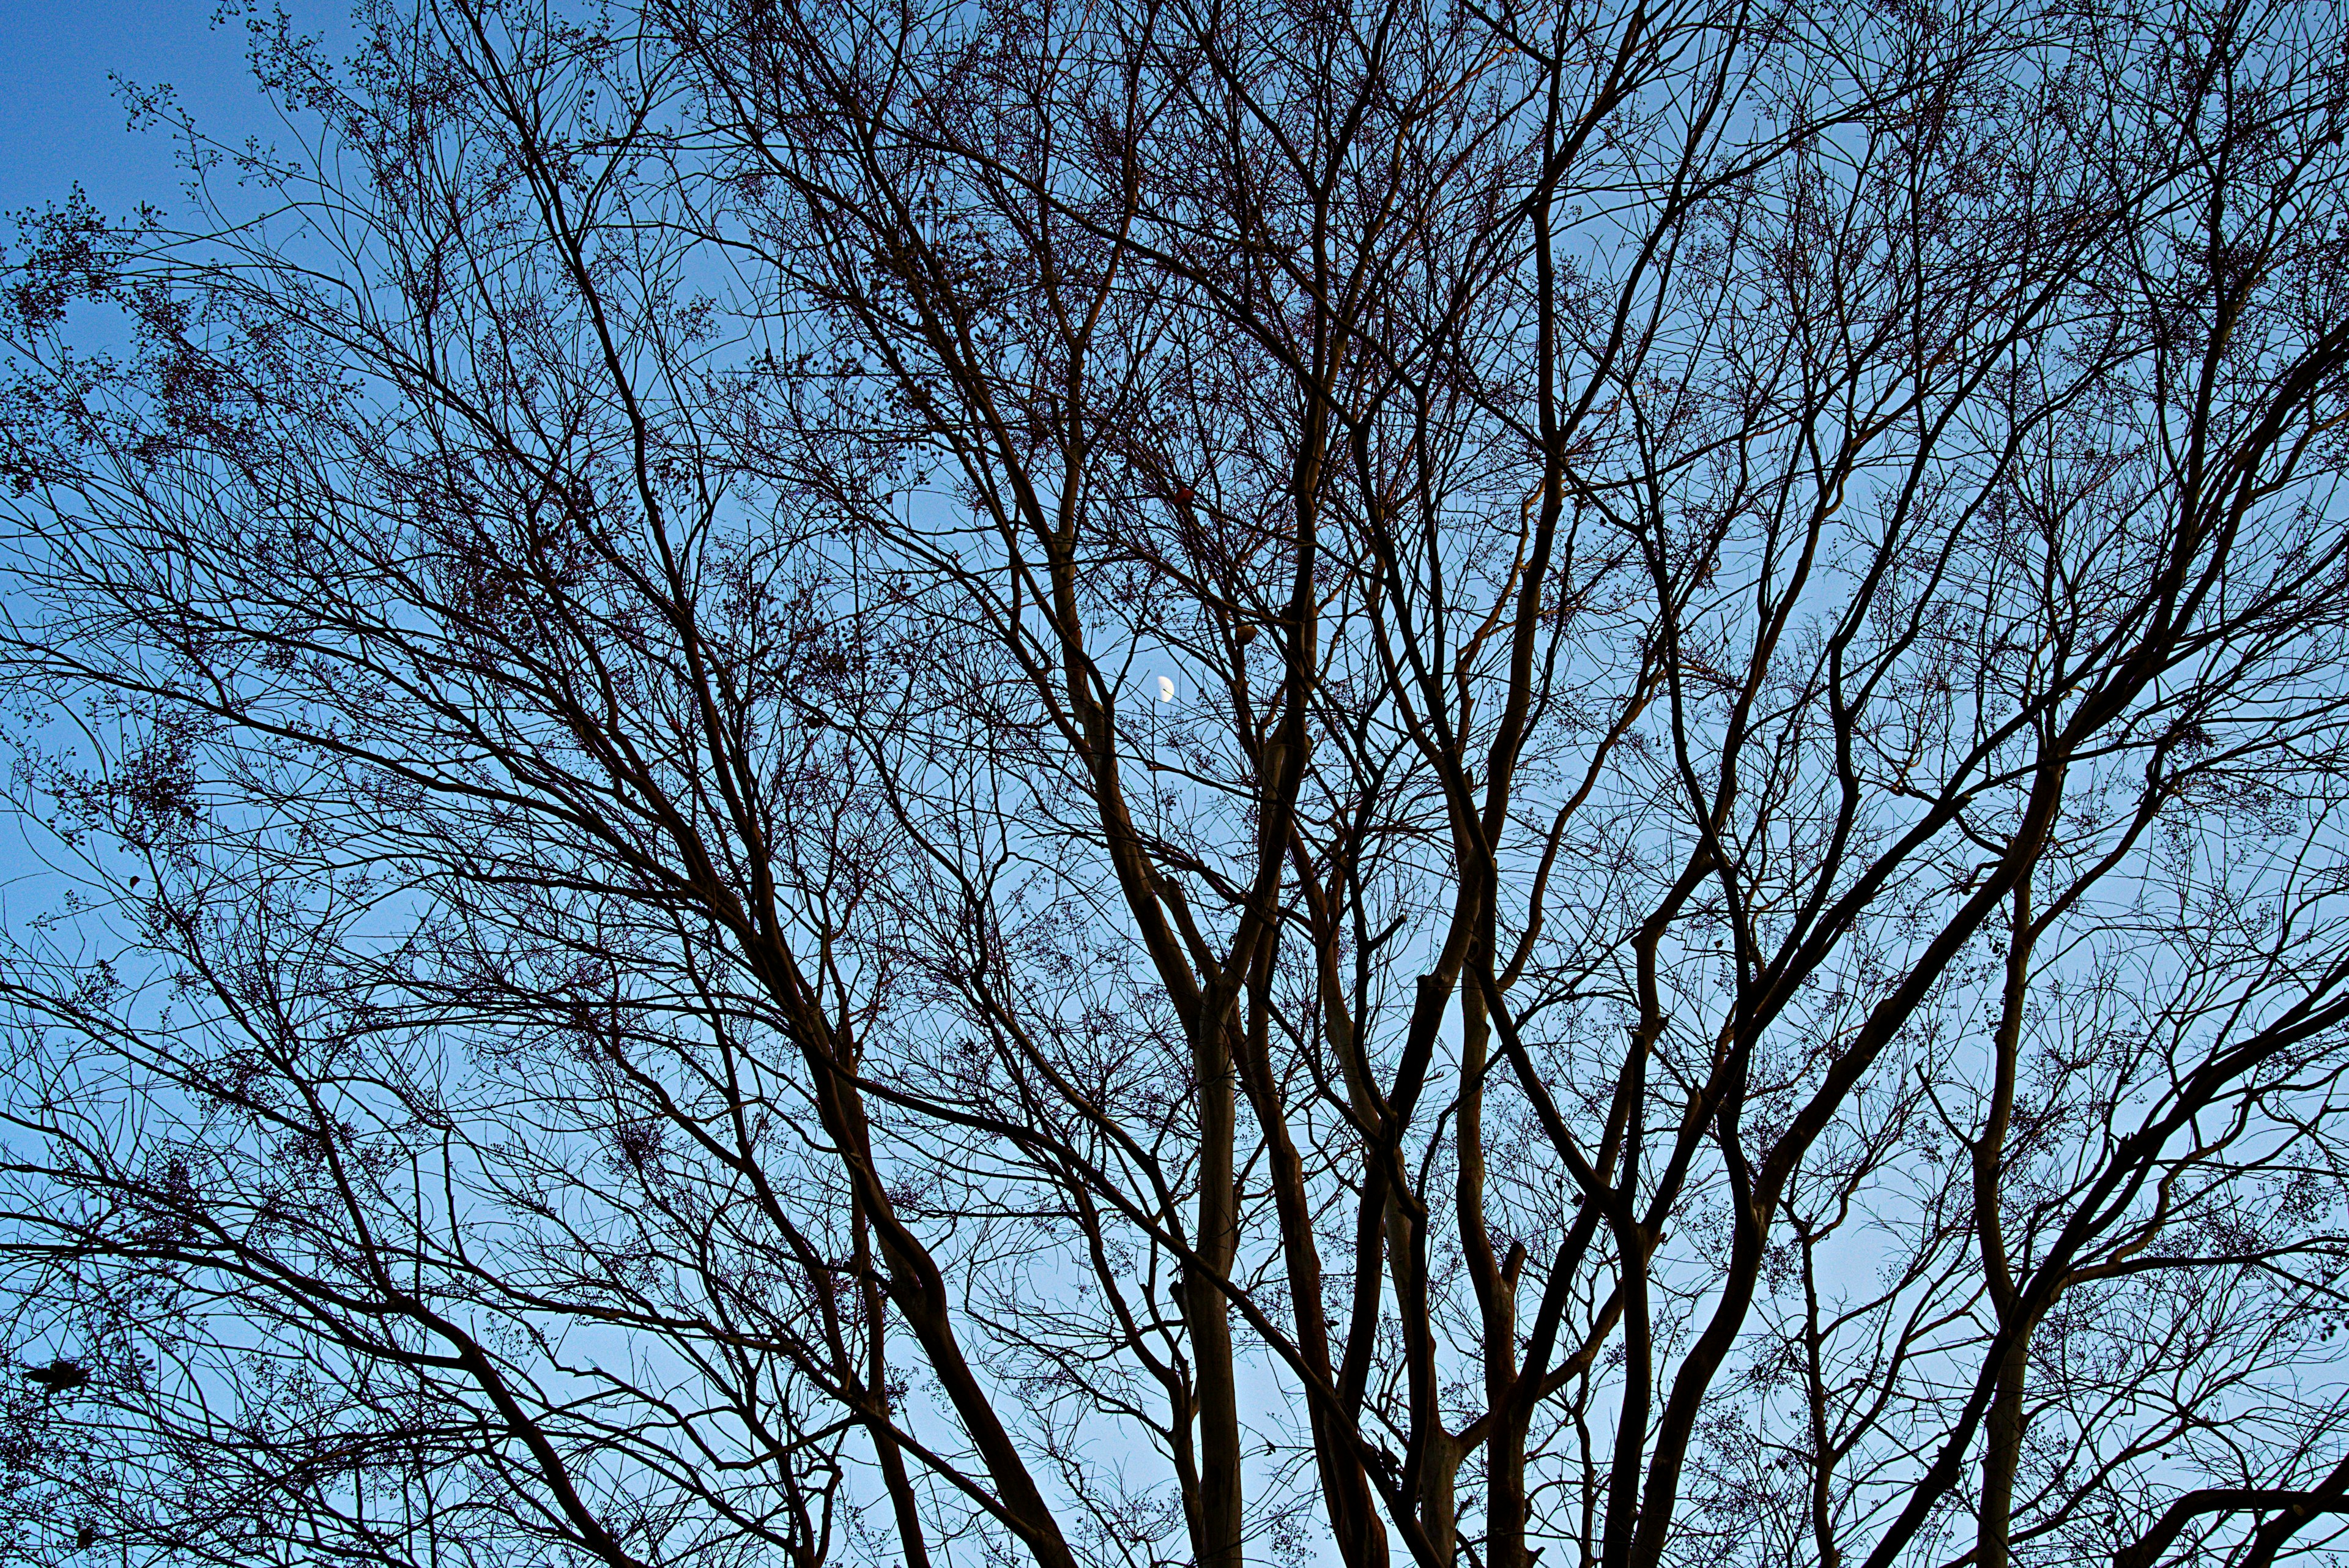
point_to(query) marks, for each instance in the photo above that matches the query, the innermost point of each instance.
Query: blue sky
(59, 117)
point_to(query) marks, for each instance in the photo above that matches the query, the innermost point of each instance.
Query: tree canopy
(1138, 782)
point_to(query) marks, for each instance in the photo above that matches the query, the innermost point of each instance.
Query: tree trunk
(1218, 1522)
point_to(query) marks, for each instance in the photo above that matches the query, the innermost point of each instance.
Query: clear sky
(60, 119)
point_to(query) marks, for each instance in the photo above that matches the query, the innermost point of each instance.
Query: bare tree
(1141, 783)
